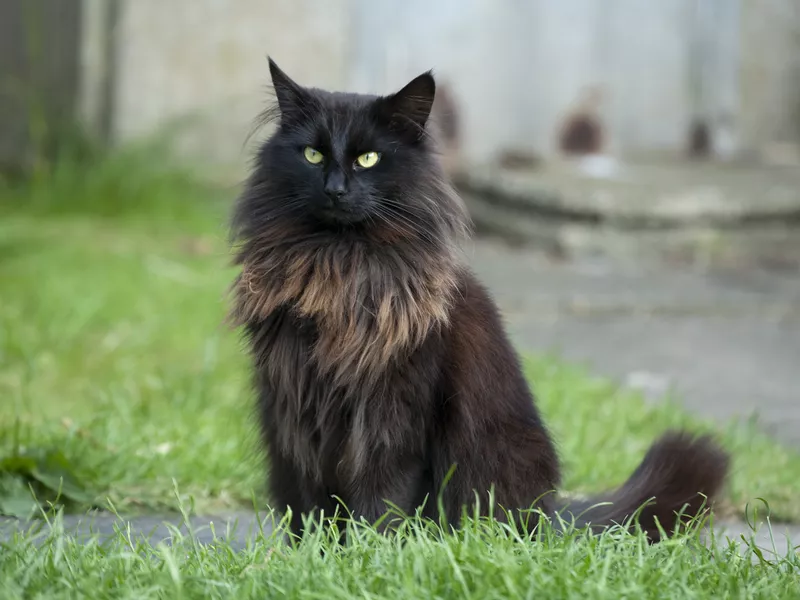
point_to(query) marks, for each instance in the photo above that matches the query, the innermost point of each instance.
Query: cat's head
(353, 164)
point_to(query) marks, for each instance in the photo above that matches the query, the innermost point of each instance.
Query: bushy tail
(677, 480)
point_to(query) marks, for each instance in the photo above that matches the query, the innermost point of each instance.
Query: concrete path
(728, 343)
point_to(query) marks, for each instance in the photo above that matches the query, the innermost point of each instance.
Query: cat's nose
(336, 186)
(335, 193)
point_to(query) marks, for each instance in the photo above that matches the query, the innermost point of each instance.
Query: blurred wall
(523, 69)
(519, 70)
(204, 62)
(770, 91)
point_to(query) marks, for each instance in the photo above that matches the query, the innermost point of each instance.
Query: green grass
(483, 560)
(118, 381)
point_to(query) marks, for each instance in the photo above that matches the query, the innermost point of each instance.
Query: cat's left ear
(409, 109)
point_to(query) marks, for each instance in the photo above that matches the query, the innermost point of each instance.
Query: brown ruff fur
(369, 308)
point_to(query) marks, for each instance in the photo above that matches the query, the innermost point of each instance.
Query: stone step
(684, 212)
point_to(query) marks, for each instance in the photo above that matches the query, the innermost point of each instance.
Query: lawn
(483, 561)
(119, 383)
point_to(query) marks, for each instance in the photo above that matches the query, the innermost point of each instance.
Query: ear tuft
(410, 108)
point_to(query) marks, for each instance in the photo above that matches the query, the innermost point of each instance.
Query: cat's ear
(292, 97)
(408, 110)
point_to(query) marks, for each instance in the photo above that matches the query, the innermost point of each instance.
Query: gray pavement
(727, 343)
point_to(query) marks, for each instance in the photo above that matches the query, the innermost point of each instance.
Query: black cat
(380, 360)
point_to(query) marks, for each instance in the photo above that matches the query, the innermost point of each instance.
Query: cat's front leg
(391, 482)
(294, 491)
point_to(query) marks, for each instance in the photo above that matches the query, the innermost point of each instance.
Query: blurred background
(632, 168)
(687, 111)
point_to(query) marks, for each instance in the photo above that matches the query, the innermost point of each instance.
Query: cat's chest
(315, 419)
(283, 348)
(369, 309)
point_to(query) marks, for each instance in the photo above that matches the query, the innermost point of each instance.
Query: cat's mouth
(341, 215)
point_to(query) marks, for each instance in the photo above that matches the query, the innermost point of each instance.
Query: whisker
(407, 225)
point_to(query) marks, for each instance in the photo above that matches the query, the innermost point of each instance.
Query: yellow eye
(313, 156)
(368, 159)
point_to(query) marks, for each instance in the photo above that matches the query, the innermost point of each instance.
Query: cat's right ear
(293, 99)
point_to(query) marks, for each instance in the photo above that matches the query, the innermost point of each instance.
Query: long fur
(674, 483)
(380, 361)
